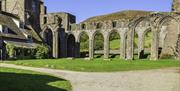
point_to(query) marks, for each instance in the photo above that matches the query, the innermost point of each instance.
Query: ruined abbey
(26, 24)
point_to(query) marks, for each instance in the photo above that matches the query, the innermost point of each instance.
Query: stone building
(30, 21)
(19, 25)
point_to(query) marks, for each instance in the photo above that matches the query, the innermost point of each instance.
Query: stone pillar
(42, 35)
(91, 47)
(155, 46)
(130, 45)
(3, 6)
(77, 48)
(140, 45)
(123, 47)
(106, 46)
(55, 44)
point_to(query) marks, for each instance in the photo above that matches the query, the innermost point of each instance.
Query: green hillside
(118, 15)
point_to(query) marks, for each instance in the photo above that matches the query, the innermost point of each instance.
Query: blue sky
(84, 9)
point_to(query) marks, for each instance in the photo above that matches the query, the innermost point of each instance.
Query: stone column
(123, 46)
(106, 45)
(155, 46)
(55, 44)
(42, 35)
(91, 47)
(130, 45)
(140, 45)
(3, 5)
(77, 48)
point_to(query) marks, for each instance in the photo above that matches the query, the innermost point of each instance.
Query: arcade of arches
(151, 37)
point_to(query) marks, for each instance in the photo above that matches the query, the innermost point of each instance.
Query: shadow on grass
(28, 82)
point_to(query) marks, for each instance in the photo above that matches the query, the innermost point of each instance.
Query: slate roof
(30, 31)
(7, 21)
(22, 44)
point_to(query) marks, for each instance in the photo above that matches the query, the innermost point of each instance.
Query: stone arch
(46, 26)
(48, 38)
(147, 43)
(170, 36)
(71, 43)
(52, 40)
(113, 30)
(166, 19)
(93, 34)
(56, 28)
(80, 34)
(83, 53)
(141, 29)
(115, 51)
(44, 29)
(130, 38)
(94, 40)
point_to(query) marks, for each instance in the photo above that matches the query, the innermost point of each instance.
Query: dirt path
(149, 80)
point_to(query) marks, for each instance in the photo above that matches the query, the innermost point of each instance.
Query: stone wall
(61, 19)
(171, 37)
(176, 6)
(62, 27)
(17, 7)
(27, 10)
(100, 25)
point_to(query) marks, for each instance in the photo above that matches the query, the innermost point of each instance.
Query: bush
(42, 52)
(25, 53)
(10, 50)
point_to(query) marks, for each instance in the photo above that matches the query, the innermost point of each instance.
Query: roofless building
(25, 24)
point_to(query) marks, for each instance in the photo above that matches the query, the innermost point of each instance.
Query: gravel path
(149, 80)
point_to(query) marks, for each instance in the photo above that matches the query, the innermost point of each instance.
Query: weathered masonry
(65, 34)
(61, 33)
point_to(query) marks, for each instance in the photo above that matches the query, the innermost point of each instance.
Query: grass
(22, 80)
(124, 15)
(118, 15)
(115, 44)
(98, 65)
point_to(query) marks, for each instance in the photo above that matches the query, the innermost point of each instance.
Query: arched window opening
(115, 44)
(48, 38)
(114, 24)
(147, 44)
(99, 25)
(83, 26)
(84, 45)
(98, 45)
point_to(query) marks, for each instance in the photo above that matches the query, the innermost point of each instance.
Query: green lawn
(98, 65)
(115, 44)
(22, 80)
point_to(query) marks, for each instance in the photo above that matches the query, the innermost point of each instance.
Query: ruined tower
(176, 6)
(29, 11)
